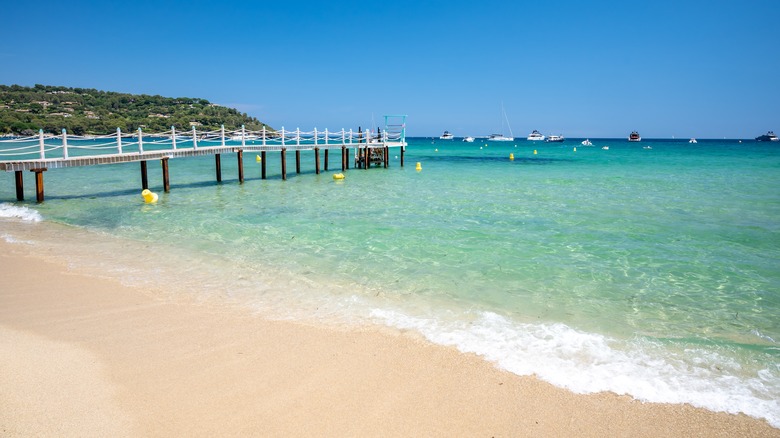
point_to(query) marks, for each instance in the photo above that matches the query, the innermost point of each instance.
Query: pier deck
(42, 152)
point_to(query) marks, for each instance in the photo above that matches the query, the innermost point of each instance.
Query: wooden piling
(262, 163)
(317, 160)
(240, 158)
(326, 159)
(343, 158)
(297, 161)
(387, 156)
(218, 166)
(284, 164)
(144, 178)
(38, 183)
(402, 156)
(166, 178)
(19, 185)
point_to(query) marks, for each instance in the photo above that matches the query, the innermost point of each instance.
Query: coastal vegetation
(25, 110)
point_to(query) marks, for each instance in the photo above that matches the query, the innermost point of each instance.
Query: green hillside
(25, 110)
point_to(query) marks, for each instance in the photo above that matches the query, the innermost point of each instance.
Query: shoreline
(127, 363)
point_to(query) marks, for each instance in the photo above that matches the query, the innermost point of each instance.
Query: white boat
(502, 137)
(693, 140)
(555, 139)
(769, 136)
(586, 142)
(446, 136)
(535, 136)
(468, 139)
(606, 148)
(634, 136)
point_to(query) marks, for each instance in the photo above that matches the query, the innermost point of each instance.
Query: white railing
(66, 146)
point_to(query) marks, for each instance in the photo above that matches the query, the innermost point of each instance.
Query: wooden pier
(39, 153)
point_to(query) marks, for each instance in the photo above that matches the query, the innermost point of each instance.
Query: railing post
(263, 135)
(222, 134)
(350, 136)
(141, 144)
(282, 137)
(326, 136)
(119, 140)
(297, 136)
(243, 136)
(173, 136)
(315, 137)
(343, 137)
(40, 143)
(194, 138)
(64, 143)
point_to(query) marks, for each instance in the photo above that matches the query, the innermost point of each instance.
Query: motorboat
(606, 148)
(769, 136)
(446, 136)
(535, 136)
(468, 139)
(500, 137)
(693, 140)
(586, 142)
(555, 139)
(634, 136)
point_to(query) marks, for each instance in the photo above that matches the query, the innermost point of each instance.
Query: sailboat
(502, 137)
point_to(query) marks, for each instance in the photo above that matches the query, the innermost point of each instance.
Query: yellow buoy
(258, 158)
(149, 196)
(511, 157)
(436, 150)
(419, 167)
(575, 149)
(534, 151)
(338, 176)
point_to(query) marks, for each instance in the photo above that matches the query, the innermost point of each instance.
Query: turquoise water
(649, 269)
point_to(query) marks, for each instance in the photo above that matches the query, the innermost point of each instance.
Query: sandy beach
(82, 355)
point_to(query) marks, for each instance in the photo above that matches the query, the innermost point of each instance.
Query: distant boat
(606, 148)
(634, 136)
(555, 139)
(502, 137)
(446, 136)
(468, 139)
(693, 140)
(499, 137)
(586, 142)
(769, 136)
(535, 136)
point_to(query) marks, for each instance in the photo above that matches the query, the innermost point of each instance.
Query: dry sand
(85, 356)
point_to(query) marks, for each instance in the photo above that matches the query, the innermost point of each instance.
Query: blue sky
(706, 69)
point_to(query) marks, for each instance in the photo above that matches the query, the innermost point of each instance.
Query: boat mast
(511, 134)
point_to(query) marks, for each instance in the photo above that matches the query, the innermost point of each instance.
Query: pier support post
(262, 163)
(317, 160)
(240, 157)
(387, 155)
(218, 166)
(343, 158)
(284, 164)
(144, 178)
(326, 159)
(38, 183)
(402, 156)
(19, 185)
(346, 161)
(165, 174)
(297, 161)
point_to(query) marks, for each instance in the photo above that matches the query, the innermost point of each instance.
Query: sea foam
(588, 363)
(14, 212)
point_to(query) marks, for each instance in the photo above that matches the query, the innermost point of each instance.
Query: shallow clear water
(645, 271)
